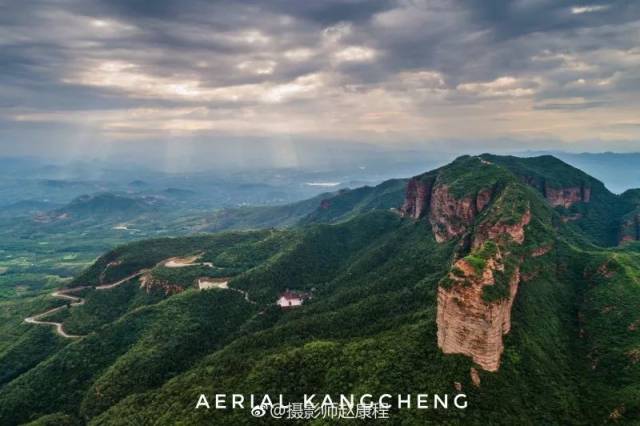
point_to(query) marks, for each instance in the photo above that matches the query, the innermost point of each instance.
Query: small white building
(291, 299)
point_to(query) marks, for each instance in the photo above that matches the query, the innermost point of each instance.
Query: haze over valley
(427, 210)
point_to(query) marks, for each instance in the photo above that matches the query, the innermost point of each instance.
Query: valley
(53, 225)
(466, 279)
(405, 212)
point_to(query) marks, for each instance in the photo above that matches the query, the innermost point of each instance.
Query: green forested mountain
(536, 261)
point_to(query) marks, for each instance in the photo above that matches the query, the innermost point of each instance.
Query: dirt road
(75, 301)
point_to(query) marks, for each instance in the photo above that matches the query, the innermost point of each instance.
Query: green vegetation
(469, 175)
(44, 251)
(572, 356)
(597, 220)
(348, 203)
(544, 169)
(103, 307)
(21, 346)
(141, 350)
(128, 259)
(188, 277)
(500, 289)
(478, 263)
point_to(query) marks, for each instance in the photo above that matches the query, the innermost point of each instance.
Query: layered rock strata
(469, 325)
(449, 217)
(418, 198)
(566, 197)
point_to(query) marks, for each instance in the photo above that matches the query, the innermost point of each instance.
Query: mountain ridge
(463, 279)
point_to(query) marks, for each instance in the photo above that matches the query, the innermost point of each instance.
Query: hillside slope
(475, 282)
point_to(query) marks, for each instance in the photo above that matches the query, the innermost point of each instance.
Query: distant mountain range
(512, 280)
(619, 171)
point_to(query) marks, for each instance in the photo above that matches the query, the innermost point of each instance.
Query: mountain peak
(454, 195)
(487, 210)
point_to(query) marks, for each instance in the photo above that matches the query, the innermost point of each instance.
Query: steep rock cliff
(497, 231)
(560, 195)
(566, 197)
(449, 217)
(469, 323)
(629, 225)
(488, 209)
(630, 229)
(418, 197)
(560, 183)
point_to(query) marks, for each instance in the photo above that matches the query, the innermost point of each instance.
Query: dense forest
(572, 356)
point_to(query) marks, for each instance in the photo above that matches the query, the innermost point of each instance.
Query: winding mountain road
(75, 301)
(78, 301)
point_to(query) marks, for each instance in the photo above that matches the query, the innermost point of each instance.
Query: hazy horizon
(618, 171)
(290, 84)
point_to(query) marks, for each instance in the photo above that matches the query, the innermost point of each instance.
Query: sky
(281, 78)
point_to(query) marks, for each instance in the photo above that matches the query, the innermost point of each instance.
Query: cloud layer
(387, 72)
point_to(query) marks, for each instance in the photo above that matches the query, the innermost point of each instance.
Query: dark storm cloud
(326, 12)
(516, 18)
(485, 38)
(211, 65)
(141, 9)
(329, 12)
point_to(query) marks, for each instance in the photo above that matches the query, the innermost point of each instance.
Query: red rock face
(541, 251)
(451, 217)
(417, 198)
(467, 324)
(148, 283)
(475, 377)
(630, 230)
(498, 230)
(483, 199)
(325, 204)
(566, 197)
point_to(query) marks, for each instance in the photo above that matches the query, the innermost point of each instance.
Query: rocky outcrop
(630, 229)
(475, 377)
(560, 196)
(607, 269)
(541, 251)
(566, 197)
(467, 323)
(450, 217)
(152, 284)
(483, 199)
(500, 230)
(418, 197)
